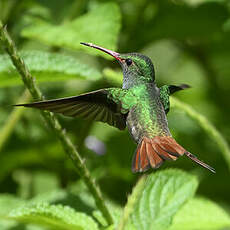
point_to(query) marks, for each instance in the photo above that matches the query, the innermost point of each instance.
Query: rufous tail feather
(152, 152)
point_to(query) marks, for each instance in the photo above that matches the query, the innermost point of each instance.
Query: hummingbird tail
(152, 152)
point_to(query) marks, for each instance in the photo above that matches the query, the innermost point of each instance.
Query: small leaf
(164, 193)
(46, 67)
(200, 214)
(54, 216)
(100, 26)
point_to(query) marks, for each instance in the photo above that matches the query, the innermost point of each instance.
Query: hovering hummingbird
(139, 104)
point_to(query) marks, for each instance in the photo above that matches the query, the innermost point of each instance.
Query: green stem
(132, 199)
(53, 122)
(12, 120)
(206, 125)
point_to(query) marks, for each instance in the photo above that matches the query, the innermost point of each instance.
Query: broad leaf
(46, 67)
(13, 225)
(200, 214)
(164, 194)
(100, 26)
(9, 202)
(54, 216)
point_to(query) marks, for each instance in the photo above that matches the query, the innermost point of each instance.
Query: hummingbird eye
(128, 61)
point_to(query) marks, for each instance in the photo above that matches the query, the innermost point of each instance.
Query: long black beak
(110, 52)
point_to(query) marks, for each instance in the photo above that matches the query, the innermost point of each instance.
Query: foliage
(46, 65)
(56, 216)
(163, 195)
(188, 42)
(91, 27)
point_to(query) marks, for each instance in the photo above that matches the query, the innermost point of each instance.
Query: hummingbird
(139, 104)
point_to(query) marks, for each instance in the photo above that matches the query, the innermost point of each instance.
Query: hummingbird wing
(101, 105)
(166, 91)
(174, 88)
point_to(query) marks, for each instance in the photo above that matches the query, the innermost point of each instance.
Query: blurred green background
(188, 42)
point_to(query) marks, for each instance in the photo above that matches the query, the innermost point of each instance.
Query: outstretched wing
(101, 105)
(166, 91)
(174, 88)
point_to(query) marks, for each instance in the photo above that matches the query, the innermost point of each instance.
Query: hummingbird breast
(147, 118)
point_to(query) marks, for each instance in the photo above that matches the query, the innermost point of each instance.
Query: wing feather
(97, 105)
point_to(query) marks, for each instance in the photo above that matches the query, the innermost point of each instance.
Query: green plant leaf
(54, 216)
(45, 67)
(80, 202)
(13, 225)
(8, 225)
(200, 214)
(9, 202)
(138, 189)
(163, 195)
(101, 26)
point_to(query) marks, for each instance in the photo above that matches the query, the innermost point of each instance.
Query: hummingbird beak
(110, 52)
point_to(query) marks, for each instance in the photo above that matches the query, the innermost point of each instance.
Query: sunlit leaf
(46, 67)
(101, 26)
(163, 195)
(200, 214)
(9, 202)
(54, 216)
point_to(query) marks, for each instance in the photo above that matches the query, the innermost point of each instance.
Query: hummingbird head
(137, 68)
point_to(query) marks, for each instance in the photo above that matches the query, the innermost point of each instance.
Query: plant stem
(206, 125)
(137, 191)
(53, 122)
(12, 120)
